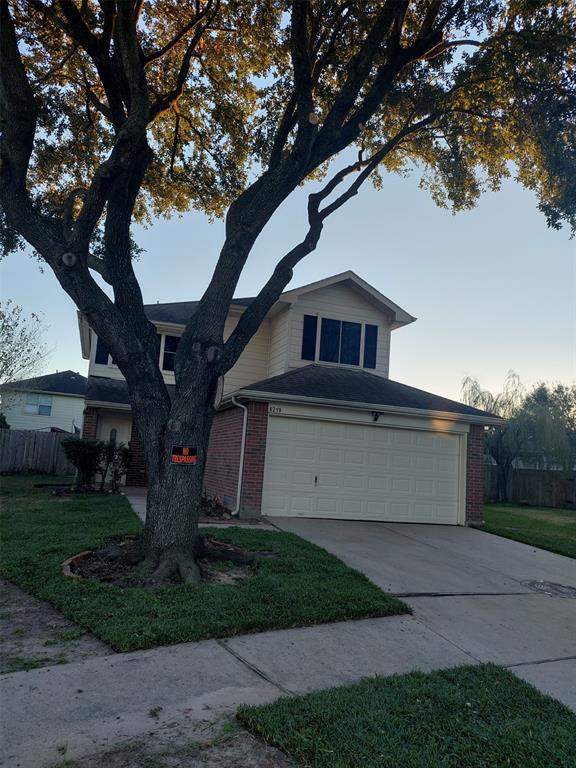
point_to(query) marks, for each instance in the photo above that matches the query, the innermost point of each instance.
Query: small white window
(38, 404)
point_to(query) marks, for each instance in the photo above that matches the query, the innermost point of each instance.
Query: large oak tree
(115, 112)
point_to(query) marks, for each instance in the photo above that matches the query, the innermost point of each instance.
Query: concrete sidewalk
(93, 705)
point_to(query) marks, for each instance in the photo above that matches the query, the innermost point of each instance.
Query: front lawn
(544, 527)
(468, 717)
(303, 585)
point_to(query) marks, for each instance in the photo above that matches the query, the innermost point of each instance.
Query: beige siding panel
(252, 364)
(340, 303)
(67, 412)
(279, 336)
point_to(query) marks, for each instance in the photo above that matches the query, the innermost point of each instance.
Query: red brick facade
(254, 457)
(223, 460)
(136, 474)
(222, 466)
(475, 474)
(90, 424)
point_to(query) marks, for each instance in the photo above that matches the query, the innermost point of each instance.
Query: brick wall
(136, 474)
(254, 457)
(90, 424)
(223, 460)
(475, 474)
(221, 474)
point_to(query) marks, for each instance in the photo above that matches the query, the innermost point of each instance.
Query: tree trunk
(502, 482)
(175, 486)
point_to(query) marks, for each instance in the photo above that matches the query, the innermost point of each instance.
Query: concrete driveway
(469, 588)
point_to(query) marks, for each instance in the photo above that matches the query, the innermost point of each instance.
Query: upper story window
(102, 355)
(38, 404)
(167, 344)
(339, 341)
(169, 353)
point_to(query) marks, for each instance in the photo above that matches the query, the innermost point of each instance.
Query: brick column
(254, 457)
(475, 474)
(90, 423)
(136, 473)
(223, 457)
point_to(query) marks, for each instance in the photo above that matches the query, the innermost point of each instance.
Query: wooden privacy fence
(23, 450)
(538, 487)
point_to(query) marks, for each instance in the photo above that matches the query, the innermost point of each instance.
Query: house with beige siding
(46, 403)
(310, 424)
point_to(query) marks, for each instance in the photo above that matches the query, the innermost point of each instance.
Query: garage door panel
(365, 472)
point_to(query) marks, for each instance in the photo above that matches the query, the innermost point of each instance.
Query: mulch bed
(119, 564)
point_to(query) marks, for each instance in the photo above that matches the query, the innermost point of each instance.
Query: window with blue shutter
(350, 343)
(340, 341)
(309, 337)
(370, 345)
(102, 353)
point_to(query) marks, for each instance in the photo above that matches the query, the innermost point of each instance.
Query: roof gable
(351, 280)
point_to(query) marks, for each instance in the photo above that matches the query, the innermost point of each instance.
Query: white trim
(236, 509)
(108, 406)
(374, 407)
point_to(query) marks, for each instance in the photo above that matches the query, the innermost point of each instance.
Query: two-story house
(310, 424)
(52, 402)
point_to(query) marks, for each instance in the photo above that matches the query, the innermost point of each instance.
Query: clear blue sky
(493, 289)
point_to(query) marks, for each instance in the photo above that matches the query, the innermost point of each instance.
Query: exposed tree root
(209, 549)
(173, 564)
(124, 558)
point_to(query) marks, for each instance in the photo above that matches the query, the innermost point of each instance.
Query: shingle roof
(63, 382)
(345, 385)
(179, 312)
(316, 382)
(103, 390)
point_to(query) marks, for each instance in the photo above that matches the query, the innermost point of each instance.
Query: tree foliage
(540, 426)
(115, 112)
(550, 414)
(22, 347)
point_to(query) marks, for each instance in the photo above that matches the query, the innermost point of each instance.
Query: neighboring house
(51, 402)
(327, 434)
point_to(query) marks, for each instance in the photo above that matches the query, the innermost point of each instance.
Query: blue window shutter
(350, 343)
(370, 345)
(309, 337)
(330, 340)
(102, 353)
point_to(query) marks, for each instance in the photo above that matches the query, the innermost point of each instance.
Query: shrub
(3, 423)
(113, 463)
(85, 455)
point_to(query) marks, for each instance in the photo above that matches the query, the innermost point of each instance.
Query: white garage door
(350, 471)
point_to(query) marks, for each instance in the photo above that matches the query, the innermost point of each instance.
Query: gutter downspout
(236, 509)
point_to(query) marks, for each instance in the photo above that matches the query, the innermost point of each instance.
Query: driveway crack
(224, 645)
(540, 661)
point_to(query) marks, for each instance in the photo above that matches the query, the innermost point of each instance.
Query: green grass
(468, 717)
(544, 527)
(303, 585)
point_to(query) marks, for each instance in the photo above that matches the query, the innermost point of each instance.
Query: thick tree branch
(254, 315)
(149, 58)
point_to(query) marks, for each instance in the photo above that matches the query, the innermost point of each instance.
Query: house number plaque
(183, 454)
